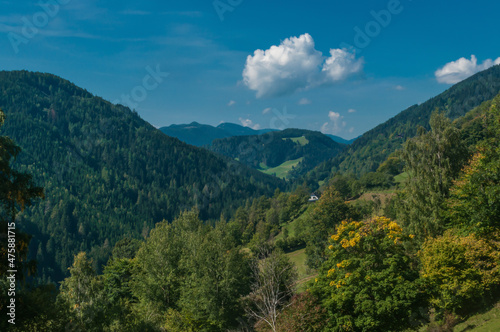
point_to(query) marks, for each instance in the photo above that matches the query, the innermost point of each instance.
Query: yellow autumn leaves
(349, 234)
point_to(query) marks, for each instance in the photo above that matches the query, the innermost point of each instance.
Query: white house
(313, 198)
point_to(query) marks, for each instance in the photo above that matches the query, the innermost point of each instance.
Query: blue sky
(336, 66)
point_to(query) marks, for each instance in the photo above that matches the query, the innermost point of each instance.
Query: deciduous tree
(474, 204)
(432, 160)
(370, 282)
(273, 287)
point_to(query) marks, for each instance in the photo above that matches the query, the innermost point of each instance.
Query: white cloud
(266, 110)
(304, 101)
(351, 129)
(249, 123)
(456, 71)
(399, 87)
(324, 128)
(296, 65)
(336, 124)
(341, 64)
(231, 103)
(352, 110)
(334, 116)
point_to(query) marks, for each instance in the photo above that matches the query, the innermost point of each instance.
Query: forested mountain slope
(372, 148)
(194, 133)
(106, 172)
(307, 148)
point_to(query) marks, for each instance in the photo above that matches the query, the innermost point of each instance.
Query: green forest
(106, 172)
(122, 228)
(272, 149)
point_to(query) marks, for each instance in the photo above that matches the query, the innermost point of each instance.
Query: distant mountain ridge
(339, 139)
(198, 134)
(201, 134)
(237, 130)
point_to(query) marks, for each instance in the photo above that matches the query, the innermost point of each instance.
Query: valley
(125, 205)
(249, 166)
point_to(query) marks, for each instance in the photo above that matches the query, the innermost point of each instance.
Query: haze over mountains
(201, 134)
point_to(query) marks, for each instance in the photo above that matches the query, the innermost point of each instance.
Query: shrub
(461, 273)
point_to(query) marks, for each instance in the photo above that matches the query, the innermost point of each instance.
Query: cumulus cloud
(304, 101)
(352, 110)
(295, 65)
(341, 64)
(336, 124)
(456, 71)
(231, 103)
(249, 123)
(399, 87)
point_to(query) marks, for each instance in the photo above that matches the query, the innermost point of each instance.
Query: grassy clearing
(298, 257)
(282, 170)
(380, 200)
(485, 322)
(299, 140)
(383, 197)
(304, 273)
(401, 177)
(263, 167)
(292, 226)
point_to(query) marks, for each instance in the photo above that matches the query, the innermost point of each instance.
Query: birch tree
(273, 287)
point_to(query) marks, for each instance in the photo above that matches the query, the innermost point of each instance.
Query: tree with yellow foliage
(370, 282)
